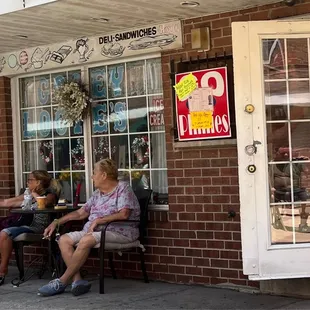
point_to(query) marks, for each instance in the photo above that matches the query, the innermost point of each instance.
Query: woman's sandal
(2, 278)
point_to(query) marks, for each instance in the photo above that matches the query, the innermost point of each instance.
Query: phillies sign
(202, 106)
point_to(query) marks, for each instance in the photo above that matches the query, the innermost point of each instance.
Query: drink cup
(41, 202)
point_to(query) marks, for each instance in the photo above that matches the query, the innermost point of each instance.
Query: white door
(272, 98)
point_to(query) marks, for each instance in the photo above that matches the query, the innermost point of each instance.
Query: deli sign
(202, 110)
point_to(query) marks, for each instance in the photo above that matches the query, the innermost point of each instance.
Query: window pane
(140, 179)
(59, 79)
(100, 117)
(44, 123)
(27, 98)
(160, 186)
(137, 114)
(118, 116)
(117, 85)
(100, 148)
(119, 151)
(136, 78)
(156, 113)
(42, 88)
(139, 151)
(46, 155)
(62, 160)
(158, 150)
(28, 124)
(60, 128)
(154, 76)
(98, 78)
(29, 155)
(77, 154)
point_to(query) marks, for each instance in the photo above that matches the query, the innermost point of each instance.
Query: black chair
(23, 240)
(143, 196)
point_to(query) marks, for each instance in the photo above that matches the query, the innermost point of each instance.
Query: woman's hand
(49, 230)
(93, 226)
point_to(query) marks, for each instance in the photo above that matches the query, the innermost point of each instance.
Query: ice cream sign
(202, 104)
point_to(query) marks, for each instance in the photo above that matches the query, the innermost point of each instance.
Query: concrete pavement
(134, 294)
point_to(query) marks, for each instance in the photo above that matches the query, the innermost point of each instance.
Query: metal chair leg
(101, 280)
(19, 256)
(143, 268)
(111, 263)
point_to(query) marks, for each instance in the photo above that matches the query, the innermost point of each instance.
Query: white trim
(16, 127)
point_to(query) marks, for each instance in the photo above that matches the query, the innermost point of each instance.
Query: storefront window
(48, 143)
(128, 123)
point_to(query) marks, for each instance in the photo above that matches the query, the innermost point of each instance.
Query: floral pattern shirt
(122, 197)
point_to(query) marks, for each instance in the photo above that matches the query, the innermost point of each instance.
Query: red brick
(193, 190)
(182, 243)
(186, 234)
(184, 181)
(193, 252)
(183, 163)
(165, 242)
(211, 153)
(211, 272)
(202, 181)
(171, 234)
(192, 172)
(194, 208)
(210, 172)
(233, 245)
(176, 269)
(186, 216)
(220, 23)
(223, 235)
(211, 253)
(197, 226)
(201, 280)
(235, 264)
(168, 277)
(229, 273)
(204, 216)
(180, 225)
(176, 207)
(220, 180)
(176, 251)
(194, 270)
(160, 268)
(212, 190)
(205, 235)
(198, 244)
(185, 199)
(167, 259)
(187, 261)
(229, 254)
(219, 263)
(215, 244)
(204, 262)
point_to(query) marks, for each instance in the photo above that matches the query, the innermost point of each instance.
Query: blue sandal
(80, 287)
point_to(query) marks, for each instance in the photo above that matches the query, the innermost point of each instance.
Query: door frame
(257, 251)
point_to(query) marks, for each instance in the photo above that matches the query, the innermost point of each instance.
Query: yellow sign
(201, 119)
(186, 86)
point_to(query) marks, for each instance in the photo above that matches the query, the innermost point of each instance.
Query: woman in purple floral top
(113, 200)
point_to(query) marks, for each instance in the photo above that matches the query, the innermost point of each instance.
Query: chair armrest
(104, 229)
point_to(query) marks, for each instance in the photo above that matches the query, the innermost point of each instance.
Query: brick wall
(196, 242)
(6, 142)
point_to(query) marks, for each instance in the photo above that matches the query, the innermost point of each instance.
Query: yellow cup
(41, 202)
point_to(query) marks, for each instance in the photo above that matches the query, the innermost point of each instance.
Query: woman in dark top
(40, 183)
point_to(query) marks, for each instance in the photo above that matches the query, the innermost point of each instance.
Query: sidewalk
(134, 294)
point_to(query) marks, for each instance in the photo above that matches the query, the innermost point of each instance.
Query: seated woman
(113, 200)
(40, 183)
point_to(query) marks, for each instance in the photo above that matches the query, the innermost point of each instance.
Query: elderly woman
(113, 200)
(40, 183)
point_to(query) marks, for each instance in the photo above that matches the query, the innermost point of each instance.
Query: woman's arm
(12, 202)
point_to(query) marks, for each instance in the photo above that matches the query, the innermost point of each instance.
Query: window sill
(158, 207)
(191, 144)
